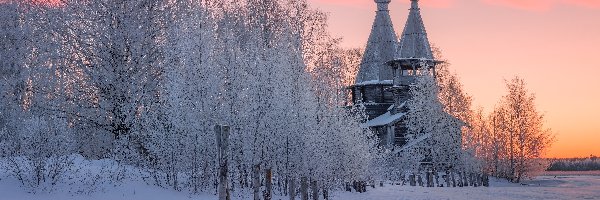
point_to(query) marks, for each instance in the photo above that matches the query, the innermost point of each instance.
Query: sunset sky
(552, 44)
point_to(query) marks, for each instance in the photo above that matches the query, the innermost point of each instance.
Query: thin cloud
(543, 5)
(533, 5)
(438, 3)
(353, 3)
(584, 3)
(363, 3)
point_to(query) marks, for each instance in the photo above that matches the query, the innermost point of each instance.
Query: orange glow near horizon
(553, 44)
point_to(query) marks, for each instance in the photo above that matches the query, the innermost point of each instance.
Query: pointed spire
(414, 4)
(381, 47)
(382, 5)
(414, 42)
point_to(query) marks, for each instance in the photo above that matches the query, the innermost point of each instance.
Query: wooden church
(387, 70)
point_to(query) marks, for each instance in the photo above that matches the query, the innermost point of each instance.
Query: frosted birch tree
(527, 137)
(111, 66)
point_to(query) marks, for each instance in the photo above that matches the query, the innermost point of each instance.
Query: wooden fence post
(447, 178)
(256, 181)
(460, 179)
(292, 188)
(222, 136)
(269, 184)
(465, 179)
(452, 175)
(486, 180)
(436, 177)
(429, 177)
(315, 190)
(303, 188)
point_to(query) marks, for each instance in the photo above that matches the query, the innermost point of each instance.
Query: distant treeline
(575, 164)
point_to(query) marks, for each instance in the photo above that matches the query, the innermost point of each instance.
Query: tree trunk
(412, 180)
(447, 179)
(256, 182)
(429, 179)
(436, 177)
(460, 179)
(512, 159)
(303, 188)
(315, 190)
(479, 179)
(325, 194)
(269, 184)
(486, 180)
(473, 180)
(453, 178)
(222, 134)
(292, 188)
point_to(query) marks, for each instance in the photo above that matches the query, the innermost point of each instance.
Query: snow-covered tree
(527, 138)
(146, 81)
(436, 133)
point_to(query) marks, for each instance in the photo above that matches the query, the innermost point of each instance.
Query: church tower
(388, 68)
(374, 76)
(414, 54)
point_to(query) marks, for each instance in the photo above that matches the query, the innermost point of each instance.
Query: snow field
(104, 179)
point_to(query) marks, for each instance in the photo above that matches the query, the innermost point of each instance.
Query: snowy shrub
(5, 146)
(41, 150)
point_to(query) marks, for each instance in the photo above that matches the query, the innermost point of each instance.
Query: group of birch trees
(512, 139)
(144, 83)
(509, 142)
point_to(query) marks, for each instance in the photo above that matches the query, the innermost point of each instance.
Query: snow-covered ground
(89, 181)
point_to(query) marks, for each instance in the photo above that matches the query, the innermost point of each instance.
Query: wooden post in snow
(315, 190)
(420, 179)
(303, 188)
(292, 188)
(222, 135)
(436, 178)
(486, 180)
(447, 178)
(268, 184)
(453, 178)
(430, 179)
(256, 181)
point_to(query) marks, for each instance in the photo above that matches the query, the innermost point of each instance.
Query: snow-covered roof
(384, 119)
(412, 143)
(375, 82)
(381, 47)
(414, 42)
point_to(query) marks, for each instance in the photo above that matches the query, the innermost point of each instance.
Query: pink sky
(553, 44)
